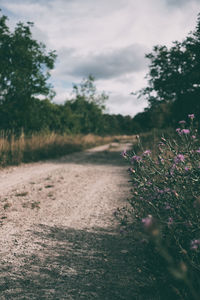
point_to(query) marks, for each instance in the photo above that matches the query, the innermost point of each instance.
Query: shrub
(165, 206)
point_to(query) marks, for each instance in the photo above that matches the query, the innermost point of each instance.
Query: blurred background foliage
(172, 91)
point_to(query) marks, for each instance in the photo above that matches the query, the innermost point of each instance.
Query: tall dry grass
(17, 149)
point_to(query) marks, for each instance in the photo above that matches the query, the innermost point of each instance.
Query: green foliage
(174, 71)
(165, 207)
(24, 72)
(173, 81)
(87, 91)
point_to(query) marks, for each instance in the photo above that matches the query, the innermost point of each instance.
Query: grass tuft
(41, 146)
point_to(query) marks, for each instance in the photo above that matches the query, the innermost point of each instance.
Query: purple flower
(147, 221)
(186, 168)
(194, 244)
(198, 151)
(191, 116)
(170, 221)
(182, 122)
(194, 136)
(179, 158)
(149, 183)
(185, 131)
(136, 158)
(172, 169)
(147, 152)
(167, 206)
(124, 153)
(178, 130)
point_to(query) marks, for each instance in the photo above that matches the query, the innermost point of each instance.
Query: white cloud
(106, 38)
(110, 63)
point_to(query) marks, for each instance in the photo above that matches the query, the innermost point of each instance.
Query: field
(17, 149)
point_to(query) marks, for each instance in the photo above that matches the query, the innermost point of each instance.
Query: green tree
(87, 107)
(87, 91)
(24, 72)
(174, 75)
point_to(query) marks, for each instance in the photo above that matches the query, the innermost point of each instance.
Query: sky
(104, 38)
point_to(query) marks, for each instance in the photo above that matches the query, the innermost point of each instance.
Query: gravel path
(58, 235)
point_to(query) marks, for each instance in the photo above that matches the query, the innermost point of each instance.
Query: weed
(22, 194)
(35, 204)
(50, 195)
(165, 208)
(40, 146)
(7, 205)
(49, 186)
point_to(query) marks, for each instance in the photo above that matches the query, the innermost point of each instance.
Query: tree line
(173, 88)
(25, 66)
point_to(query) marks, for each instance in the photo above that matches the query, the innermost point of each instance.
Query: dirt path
(58, 234)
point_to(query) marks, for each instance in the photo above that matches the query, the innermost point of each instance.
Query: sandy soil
(58, 234)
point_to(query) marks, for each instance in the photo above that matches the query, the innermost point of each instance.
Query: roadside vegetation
(162, 217)
(164, 211)
(39, 146)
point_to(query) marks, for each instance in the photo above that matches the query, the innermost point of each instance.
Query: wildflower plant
(165, 205)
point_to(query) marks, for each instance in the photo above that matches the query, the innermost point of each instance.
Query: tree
(24, 72)
(87, 107)
(174, 74)
(87, 91)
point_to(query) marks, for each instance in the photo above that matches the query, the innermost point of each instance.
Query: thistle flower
(182, 122)
(191, 116)
(147, 152)
(170, 221)
(179, 158)
(185, 131)
(167, 206)
(136, 158)
(195, 244)
(149, 183)
(147, 221)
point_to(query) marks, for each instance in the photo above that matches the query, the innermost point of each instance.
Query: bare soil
(59, 238)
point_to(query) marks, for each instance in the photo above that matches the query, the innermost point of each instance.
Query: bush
(165, 207)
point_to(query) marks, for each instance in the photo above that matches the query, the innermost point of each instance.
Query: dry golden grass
(14, 150)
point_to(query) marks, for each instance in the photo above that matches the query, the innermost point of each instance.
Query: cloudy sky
(105, 38)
